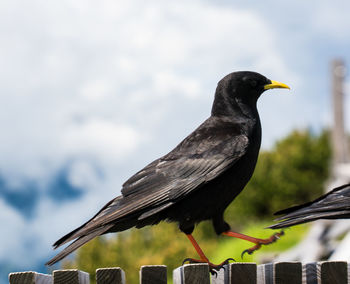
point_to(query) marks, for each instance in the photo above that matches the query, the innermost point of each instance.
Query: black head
(243, 87)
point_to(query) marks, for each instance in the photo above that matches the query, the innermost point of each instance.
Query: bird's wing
(172, 177)
(334, 204)
(201, 157)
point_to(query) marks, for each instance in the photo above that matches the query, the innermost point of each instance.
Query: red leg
(203, 258)
(198, 248)
(256, 241)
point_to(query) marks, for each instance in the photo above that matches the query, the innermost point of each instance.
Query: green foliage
(293, 172)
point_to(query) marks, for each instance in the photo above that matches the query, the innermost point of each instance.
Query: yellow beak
(275, 84)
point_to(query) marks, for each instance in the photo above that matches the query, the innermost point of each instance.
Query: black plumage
(332, 205)
(198, 179)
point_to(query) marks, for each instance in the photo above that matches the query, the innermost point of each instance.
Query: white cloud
(114, 62)
(169, 84)
(96, 90)
(99, 138)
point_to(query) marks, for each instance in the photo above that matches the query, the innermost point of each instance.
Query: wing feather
(201, 157)
(171, 180)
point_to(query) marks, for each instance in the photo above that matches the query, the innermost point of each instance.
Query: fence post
(113, 275)
(288, 273)
(153, 274)
(243, 272)
(192, 274)
(70, 276)
(334, 272)
(29, 277)
(264, 273)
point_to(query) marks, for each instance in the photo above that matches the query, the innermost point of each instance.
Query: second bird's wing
(333, 205)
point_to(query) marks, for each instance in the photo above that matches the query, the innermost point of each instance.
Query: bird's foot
(213, 268)
(260, 242)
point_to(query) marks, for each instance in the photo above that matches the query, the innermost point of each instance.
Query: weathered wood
(29, 277)
(178, 275)
(70, 276)
(334, 272)
(192, 274)
(113, 275)
(260, 274)
(265, 273)
(288, 273)
(242, 272)
(153, 274)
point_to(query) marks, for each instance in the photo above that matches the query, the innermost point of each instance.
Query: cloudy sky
(91, 91)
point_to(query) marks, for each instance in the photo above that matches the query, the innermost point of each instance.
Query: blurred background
(92, 91)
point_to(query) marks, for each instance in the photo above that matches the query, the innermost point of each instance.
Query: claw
(227, 261)
(187, 259)
(244, 252)
(250, 250)
(261, 242)
(213, 268)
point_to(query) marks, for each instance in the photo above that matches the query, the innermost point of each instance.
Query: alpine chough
(332, 205)
(198, 179)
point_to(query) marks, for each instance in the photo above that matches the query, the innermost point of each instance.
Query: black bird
(198, 179)
(332, 205)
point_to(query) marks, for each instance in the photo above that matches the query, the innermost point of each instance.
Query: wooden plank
(192, 274)
(112, 275)
(29, 277)
(70, 276)
(177, 275)
(269, 273)
(334, 272)
(243, 272)
(153, 274)
(260, 274)
(265, 273)
(288, 273)
(311, 273)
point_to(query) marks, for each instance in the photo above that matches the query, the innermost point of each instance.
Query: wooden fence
(336, 272)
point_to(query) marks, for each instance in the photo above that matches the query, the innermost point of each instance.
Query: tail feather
(115, 216)
(68, 237)
(78, 243)
(80, 231)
